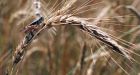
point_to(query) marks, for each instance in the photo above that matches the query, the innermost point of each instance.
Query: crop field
(69, 37)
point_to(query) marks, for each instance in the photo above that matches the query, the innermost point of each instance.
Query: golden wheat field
(69, 37)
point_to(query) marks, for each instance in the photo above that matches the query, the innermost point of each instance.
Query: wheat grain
(95, 31)
(66, 20)
(60, 18)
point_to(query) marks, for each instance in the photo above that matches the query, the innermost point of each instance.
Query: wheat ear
(96, 32)
(66, 20)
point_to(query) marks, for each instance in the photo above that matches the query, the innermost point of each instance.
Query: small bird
(37, 21)
(33, 25)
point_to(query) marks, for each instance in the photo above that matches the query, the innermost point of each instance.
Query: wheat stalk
(61, 18)
(134, 11)
(96, 32)
(67, 20)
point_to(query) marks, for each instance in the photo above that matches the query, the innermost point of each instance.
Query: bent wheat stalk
(95, 31)
(66, 20)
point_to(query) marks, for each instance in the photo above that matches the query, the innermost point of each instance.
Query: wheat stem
(66, 20)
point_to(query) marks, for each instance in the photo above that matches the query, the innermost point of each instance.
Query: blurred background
(68, 50)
